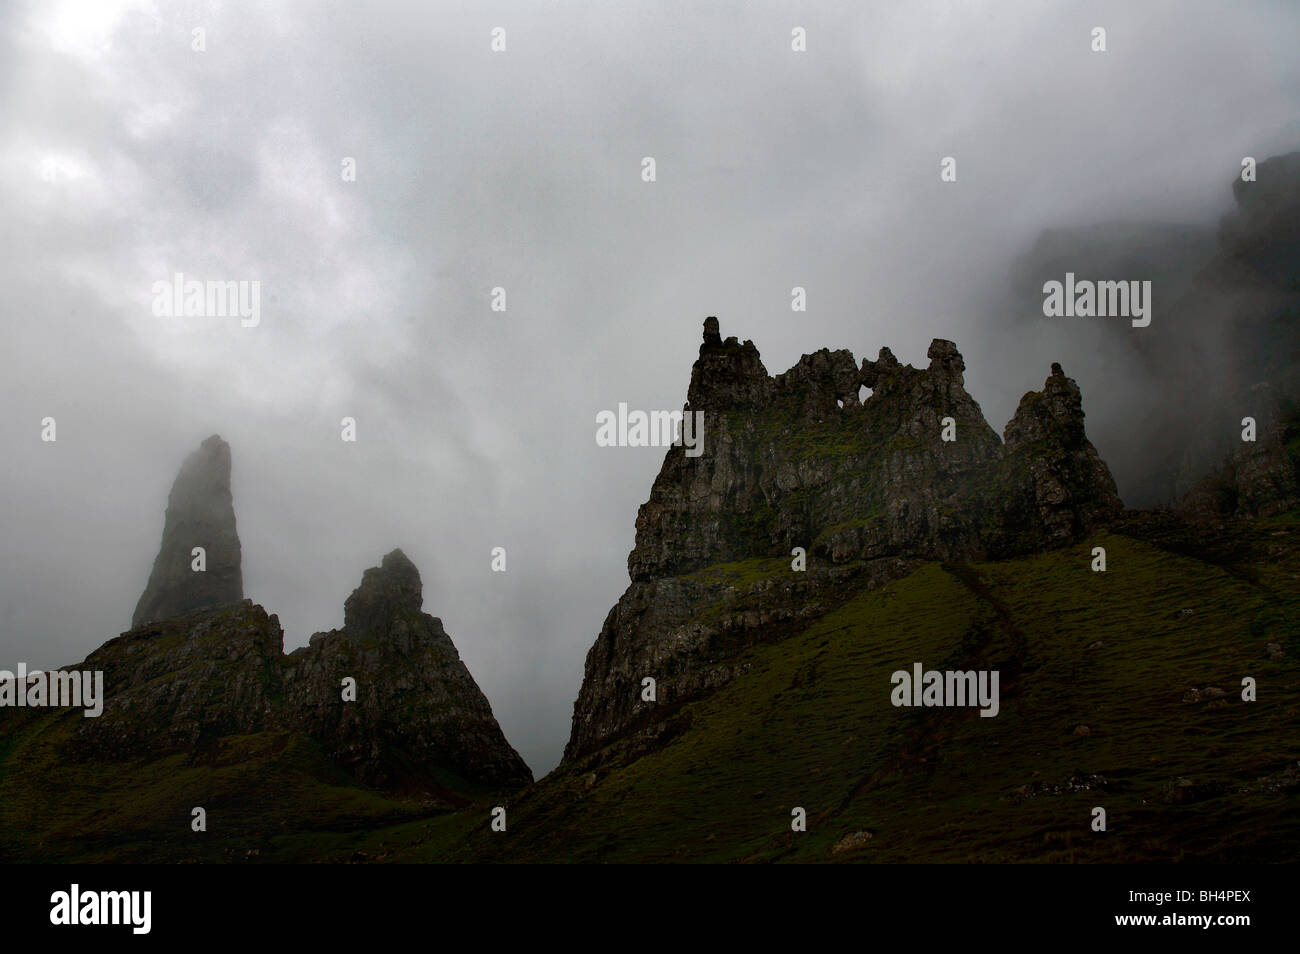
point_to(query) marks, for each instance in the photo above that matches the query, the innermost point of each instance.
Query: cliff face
(799, 460)
(1258, 478)
(1230, 350)
(866, 488)
(200, 513)
(1254, 281)
(181, 683)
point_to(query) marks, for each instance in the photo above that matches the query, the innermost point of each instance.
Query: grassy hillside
(810, 724)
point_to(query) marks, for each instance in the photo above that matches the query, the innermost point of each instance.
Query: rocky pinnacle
(865, 483)
(200, 513)
(417, 709)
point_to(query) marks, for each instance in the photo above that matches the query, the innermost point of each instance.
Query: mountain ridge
(771, 680)
(798, 461)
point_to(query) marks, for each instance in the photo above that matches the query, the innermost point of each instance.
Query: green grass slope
(811, 725)
(253, 788)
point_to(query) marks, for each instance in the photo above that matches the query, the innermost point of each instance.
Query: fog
(128, 156)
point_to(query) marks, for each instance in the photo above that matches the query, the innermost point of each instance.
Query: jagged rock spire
(387, 697)
(712, 333)
(727, 375)
(417, 710)
(1069, 486)
(798, 461)
(386, 591)
(200, 513)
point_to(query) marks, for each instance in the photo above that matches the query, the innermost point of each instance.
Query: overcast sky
(127, 156)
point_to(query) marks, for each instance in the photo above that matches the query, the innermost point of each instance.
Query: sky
(128, 155)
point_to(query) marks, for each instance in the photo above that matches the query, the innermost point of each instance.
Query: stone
(712, 336)
(417, 707)
(1194, 695)
(180, 683)
(855, 840)
(200, 513)
(387, 591)
(204, 664)
(797, 460)
(419, 720)
(1066, 486)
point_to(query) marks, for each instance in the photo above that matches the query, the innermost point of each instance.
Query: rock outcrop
(200, 662)
(1069, 488)
(866, 488)
(179, 684)
(416, 704)
(799, 460)
(414, 721)
(1257, 478)
(200, 513)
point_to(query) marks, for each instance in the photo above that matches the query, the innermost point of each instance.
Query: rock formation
(416, 703)
(179, 684)
(204, 664)
(1069, 488)
(868, 489)
(799, 461)
(1256, 478)
(200, 513)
